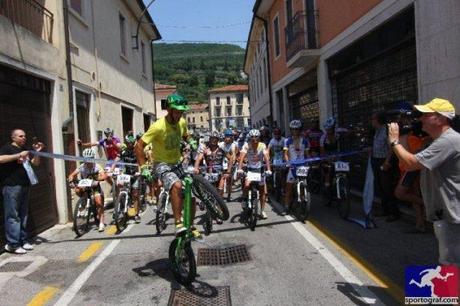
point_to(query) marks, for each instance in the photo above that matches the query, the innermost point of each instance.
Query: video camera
(406, 117)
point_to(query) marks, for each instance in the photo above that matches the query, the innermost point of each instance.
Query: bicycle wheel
(254, 212)
(160, 215)
(207, 225)
(182, 261)
(81, 216)
(119, 215)
(343, 205)
(209, 195)
(306, 203)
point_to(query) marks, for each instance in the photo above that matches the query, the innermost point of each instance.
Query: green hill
(195, 68)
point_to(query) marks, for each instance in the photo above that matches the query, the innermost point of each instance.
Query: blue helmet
(330, 123)
(228, 133)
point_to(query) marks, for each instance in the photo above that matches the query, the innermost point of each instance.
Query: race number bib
(342, 166)
(85, 183)
(212, 177)
(254, 176)
(302, 171)
(123, 179)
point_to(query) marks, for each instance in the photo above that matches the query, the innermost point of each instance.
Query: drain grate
(203, 296)
(15, 266)
(225, 256)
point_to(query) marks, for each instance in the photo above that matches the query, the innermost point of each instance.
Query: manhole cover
(15, 266)
(202, 296)
(225, 256)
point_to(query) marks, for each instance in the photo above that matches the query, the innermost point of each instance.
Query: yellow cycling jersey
(165, 139)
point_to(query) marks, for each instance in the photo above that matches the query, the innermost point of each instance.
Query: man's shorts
(166, 176)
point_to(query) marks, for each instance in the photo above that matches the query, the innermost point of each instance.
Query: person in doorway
(15, 185)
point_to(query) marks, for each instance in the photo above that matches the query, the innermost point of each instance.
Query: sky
(220, 21)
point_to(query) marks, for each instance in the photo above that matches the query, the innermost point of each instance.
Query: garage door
(25, 104)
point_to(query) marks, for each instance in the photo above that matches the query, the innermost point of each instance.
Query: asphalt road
(327, 261)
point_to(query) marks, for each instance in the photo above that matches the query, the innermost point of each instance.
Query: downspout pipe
(270, 99)
(68, 126)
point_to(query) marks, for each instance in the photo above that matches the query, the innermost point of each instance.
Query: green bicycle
(181, 256)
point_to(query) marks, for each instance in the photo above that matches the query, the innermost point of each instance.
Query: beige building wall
(43, 56)
(197, 119)
(229, 115)
(111, 77)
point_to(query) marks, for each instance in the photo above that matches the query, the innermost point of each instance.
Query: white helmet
(295, 124)
(89, 153)
(254, 133)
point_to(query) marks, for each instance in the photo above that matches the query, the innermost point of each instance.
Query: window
(122, 34)
(127, 120)
(217, 100)
(188, 119)
(193, 119)
(229, 101)
(288, 11)
(239, 98)
(239, 110)
(76, 5)
(146, 122)
(164, 104)
(143, 57)
(217, 112)
(260, 80)
(83, 103)
(229, 110)
(276, 30)
(201, 118)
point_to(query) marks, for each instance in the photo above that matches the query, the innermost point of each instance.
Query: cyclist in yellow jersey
(166, 135)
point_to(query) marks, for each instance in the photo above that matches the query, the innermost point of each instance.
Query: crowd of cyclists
(222, 158)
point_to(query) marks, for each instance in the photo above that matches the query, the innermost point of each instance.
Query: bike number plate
(123, 179)
(342, 166)
(85, 183)
(254, 176)
(302, 171)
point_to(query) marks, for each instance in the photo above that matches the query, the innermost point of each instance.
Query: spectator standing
(440, 174)
(15, 190)
(382, 167)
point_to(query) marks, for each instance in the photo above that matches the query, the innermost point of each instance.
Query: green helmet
(130, 138)
(178, 102)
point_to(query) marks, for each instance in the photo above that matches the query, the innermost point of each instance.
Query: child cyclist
(91, 170)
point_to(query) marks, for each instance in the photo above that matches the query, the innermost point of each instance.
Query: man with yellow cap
(440, 175)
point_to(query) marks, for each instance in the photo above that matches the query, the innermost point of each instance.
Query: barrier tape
(119, 163)
(327, 157)
(78, 158)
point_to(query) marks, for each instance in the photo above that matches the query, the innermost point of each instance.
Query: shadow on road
(348, 290)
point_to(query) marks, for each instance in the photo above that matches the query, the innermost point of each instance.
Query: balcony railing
(301, 33)
(31, 15)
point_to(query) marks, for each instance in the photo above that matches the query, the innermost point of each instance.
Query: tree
(210, 78)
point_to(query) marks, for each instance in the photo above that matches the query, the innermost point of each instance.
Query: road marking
(70, 293)
(111, 230)
(365, 294)
(43, 296)
(395, 291)
(90, 251)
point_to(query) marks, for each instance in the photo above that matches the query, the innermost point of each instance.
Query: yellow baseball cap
(438, 105)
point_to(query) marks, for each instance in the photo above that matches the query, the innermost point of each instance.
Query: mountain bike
(302, 194)
(340, 188)
(85, 209)
(251, 206)
(161, 214)
(124, 207)
(181, 256)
